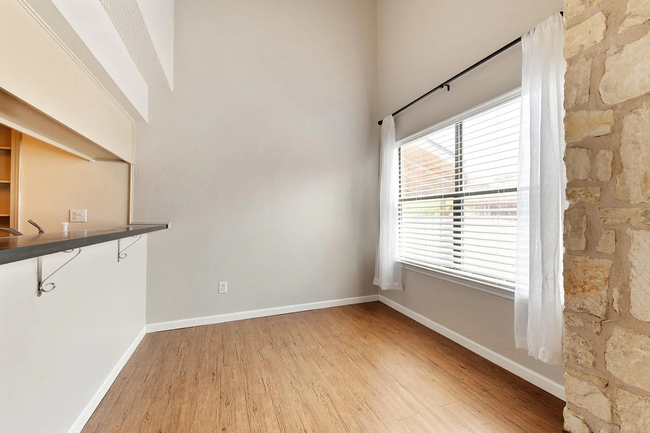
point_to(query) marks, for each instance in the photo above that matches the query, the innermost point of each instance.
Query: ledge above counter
(17, 248)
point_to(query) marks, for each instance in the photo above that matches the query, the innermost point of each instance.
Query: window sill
(486, 288)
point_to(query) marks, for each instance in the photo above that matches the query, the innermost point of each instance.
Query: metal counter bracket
(39, 273)
(121, 255)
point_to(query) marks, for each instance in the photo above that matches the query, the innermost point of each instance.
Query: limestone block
(607, 242)
(573, 8)
(599, 381)
(585, 285)
(577, 163)
(628, 357)
(579, 350)
(637, 257)
(573, 320)
(577, 79)
(638, 12)
(583, 195)
(633, 184)
(584, 35)
(575, 226)
(634, 412)
(574, 424)
(582, 124)
(588, 397)
(624, 216)
(604, 160)
(626, 74)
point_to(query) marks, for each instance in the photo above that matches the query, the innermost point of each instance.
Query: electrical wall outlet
(78, 215)
(223, 287)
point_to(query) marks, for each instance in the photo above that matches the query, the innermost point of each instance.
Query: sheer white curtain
(540, 200)
(388, 272)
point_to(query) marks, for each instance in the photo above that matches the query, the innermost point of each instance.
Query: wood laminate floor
(360, 368)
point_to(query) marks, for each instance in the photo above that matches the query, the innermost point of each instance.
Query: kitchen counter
(74, 339)
(17, 248)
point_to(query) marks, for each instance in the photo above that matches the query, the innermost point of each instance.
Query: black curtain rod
(447, 83)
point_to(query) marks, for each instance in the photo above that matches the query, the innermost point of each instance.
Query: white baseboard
(85, 415)
(524, 372)
(230, 317)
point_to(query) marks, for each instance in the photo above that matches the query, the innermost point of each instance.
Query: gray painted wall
(264, 158)
(265, 155)
(421, 44)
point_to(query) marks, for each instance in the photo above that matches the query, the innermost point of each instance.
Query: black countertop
(16, 248)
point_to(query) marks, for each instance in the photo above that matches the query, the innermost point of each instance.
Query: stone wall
(607, 226)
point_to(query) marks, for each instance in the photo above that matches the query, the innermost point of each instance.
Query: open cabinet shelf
(5, 201)
(9, 145)
(4, 221)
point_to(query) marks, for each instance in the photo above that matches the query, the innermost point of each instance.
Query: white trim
(525, 373)
(476, 285)
(73, 56)
(472, 281)
(24, 130)
(93, 26)
(230, 317)
(85, 415)
(474, 110)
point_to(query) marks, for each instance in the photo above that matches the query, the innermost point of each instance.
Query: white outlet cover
(78, 215)
(223, 287)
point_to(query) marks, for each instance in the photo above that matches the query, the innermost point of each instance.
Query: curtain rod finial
(380, 122)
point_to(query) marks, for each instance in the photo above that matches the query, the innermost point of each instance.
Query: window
(458, 196)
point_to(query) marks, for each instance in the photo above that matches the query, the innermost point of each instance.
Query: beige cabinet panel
(38, 69)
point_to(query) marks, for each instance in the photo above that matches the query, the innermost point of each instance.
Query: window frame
(458, 195)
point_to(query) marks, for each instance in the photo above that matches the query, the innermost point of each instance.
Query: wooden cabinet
(9, 163)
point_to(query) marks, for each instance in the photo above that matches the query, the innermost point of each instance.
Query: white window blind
(458, 196)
